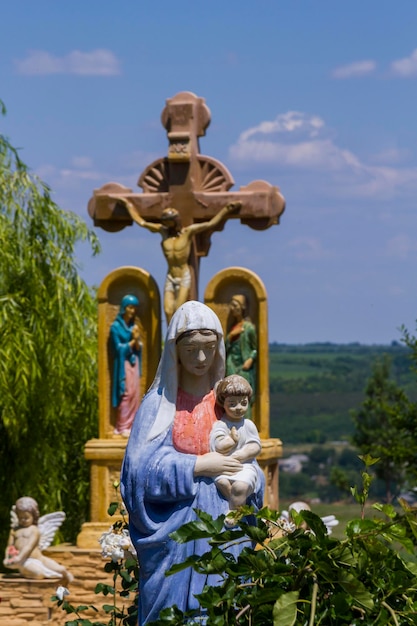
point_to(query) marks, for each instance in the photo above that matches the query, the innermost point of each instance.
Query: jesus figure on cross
(176, 245)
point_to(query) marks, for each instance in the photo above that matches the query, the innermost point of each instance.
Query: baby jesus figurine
(29, 535)
(238, 437)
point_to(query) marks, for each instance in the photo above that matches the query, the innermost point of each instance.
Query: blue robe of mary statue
(158, 484)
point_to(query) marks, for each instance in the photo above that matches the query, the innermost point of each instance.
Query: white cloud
(395, 290)
(307, 248)
(82, 162)
(56, 177)
(297, 141)
(98, 62)
(391, 155)
(300, 141)
(400, 246)
(287, 123)
(314, 155)
(407, 66)
(360, 68)
(73, 174)
(386, 181)
(81, 170)
(138, 160)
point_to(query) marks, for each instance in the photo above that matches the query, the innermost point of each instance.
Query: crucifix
(185, 199)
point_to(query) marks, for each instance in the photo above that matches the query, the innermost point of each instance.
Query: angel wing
(14, 521)
(48, 525)
(330, 521)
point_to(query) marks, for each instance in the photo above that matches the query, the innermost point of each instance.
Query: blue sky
(316, 97)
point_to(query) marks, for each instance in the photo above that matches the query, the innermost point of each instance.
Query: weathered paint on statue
(241, 343)
(127, 350)
(168, 469)
(29, 535)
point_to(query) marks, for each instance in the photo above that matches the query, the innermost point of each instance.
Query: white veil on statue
(190, 316)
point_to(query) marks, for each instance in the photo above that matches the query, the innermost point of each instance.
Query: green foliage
(411, 342)
(321, 367)
(287, 574)
(382, 426)
(321, 387)
(313, 387)
(48, 349)
(297, 486)
(305, 577)
(362, 496)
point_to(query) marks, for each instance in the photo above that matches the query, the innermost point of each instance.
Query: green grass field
(314, 387)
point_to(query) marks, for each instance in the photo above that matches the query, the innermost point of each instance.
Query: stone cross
(194, 184)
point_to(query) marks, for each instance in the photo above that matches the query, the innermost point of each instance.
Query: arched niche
(219, 291)
(120, 282)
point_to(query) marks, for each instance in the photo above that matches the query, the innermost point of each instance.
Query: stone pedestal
(268, 460)
(105, 456)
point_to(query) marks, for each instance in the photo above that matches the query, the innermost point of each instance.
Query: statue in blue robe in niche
(126, 348)
(168, 469)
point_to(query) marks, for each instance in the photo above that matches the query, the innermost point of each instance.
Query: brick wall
(24, 601)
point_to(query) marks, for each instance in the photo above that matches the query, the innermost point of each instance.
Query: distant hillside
(314, 386)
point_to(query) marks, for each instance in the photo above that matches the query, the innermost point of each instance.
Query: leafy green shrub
(306, 576)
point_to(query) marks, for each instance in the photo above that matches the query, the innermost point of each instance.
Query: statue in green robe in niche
(241, 343)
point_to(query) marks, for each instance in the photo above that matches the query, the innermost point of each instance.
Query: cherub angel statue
(30, 534)
(330, 521)
(285, 523)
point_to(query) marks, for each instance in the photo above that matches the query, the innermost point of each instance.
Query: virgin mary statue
(168, 470)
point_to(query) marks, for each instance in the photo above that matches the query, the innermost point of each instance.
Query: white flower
(61, 592)
(282, 526)
(116, 544)
(285, 525)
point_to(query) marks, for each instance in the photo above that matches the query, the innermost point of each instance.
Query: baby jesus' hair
(233, 385)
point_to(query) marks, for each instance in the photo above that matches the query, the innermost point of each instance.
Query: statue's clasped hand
(234, 434)
(214, 463)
